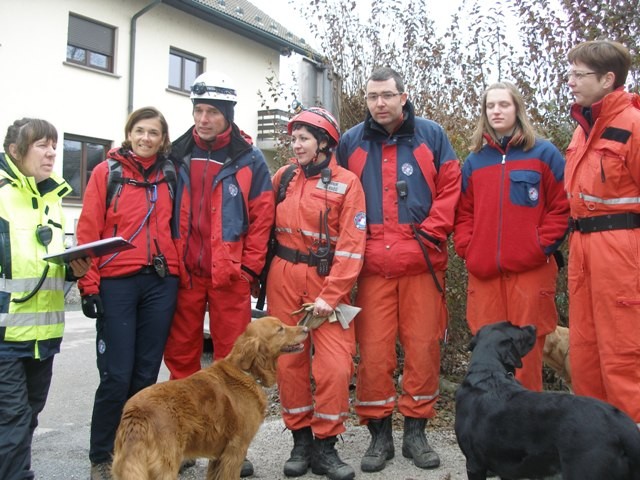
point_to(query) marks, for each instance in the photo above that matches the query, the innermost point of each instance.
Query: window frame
(84, 45)
(185, 85)
(85, 173)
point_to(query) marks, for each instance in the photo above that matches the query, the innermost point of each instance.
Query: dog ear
(246, 350)
(510, 355)
(264, 366)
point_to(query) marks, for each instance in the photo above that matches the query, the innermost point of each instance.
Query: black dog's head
(507, 341)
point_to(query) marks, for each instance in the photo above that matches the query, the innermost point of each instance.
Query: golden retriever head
(257, 350)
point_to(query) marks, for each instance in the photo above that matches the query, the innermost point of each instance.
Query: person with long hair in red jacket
(511, 218)
(132, 293)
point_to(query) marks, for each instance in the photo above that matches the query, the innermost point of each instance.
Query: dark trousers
(24, 386)
(129, 344)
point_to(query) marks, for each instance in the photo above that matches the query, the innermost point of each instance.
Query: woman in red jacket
(512, 216)
(320, 229)
(132, 294)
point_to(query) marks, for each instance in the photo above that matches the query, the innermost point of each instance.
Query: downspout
(132, 51)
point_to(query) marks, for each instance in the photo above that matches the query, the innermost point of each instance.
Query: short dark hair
(318, 133)
(27, 131)
(603, 56)
(382, 74)
(145, 113)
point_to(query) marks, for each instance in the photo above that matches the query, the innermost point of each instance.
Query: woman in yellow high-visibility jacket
(31, 290)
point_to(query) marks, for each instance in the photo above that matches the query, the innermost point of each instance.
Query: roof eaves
(244, 18)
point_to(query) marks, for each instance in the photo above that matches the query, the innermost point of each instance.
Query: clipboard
(91, 249)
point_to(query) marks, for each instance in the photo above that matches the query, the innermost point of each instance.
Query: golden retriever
(556, 353)
(214, 413)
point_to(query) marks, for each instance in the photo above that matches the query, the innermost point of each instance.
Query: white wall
(35, 80)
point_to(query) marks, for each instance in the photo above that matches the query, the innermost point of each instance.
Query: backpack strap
(285, 180)
(281, 194)
(116, 180)
(170, 176)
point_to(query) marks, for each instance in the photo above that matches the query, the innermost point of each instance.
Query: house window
(90, 44)
(80, 156)
(183, 69)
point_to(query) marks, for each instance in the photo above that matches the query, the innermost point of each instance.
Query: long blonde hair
(524, 134)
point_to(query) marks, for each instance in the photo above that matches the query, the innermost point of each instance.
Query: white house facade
(84, 65)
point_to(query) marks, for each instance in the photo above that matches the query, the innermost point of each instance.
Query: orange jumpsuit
(602, 178)
(396, 289)
(329, 351)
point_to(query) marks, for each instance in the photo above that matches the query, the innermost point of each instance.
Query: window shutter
(90, 36)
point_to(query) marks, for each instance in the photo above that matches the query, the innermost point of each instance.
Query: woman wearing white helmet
(320, 231)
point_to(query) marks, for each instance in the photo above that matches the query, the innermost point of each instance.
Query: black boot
(325, 460)
(415, 445)
(247, 468)
(381, 447)
(300, 458)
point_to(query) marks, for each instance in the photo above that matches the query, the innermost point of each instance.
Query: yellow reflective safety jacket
(34, 327)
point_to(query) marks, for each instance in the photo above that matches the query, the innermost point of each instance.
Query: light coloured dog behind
(214, 413)
(556, 354)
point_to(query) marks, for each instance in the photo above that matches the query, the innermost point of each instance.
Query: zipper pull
(504, 158)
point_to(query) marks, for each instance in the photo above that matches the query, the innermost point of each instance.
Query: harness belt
(296, 256)
(615, 221)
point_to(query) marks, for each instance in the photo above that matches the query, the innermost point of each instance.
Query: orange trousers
(409, 308)
(526, 298)
(229, 314)
(327, 356)
(604, 317)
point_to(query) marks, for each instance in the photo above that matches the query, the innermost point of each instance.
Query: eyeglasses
(577, 75)
(386, 96)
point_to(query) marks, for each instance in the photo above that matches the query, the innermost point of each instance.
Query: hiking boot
(101, 471)
(187, 463)
(247, 468)
(300, 459)
(381, 447)
(415, 445)
(325, 460)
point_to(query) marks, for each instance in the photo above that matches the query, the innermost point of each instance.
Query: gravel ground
(272, 445)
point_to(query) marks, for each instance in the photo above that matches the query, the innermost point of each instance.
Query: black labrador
(516, 433)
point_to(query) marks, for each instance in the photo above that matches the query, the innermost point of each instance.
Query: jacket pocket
(524, 187)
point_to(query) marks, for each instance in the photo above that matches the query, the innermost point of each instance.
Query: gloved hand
(92, 306)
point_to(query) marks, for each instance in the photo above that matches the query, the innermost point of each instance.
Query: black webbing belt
(614, 221)
(296, 256)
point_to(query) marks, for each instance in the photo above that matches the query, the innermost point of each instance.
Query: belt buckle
(574, 225)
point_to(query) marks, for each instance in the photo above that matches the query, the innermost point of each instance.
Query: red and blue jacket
(513, 212)
(138, 213)
(242, 208)
(420, 155)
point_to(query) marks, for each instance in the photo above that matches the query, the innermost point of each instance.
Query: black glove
(92, 306)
